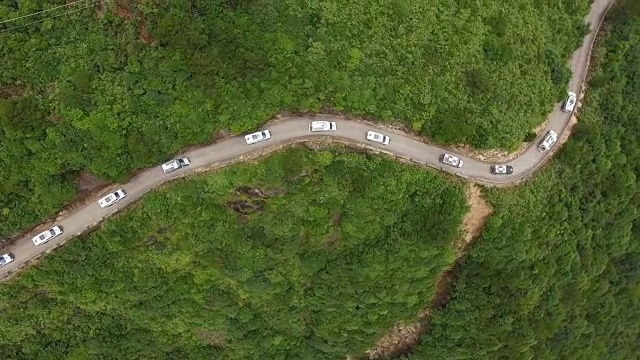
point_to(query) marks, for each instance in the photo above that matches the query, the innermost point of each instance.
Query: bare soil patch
(246, 207)
(213, 338)
(12, 91)
(398, 341)
(88, 183)
(252, 199)
(100, 9)
(567, 133)
(247, 190)
(126, 10)
(123, 13)
(144, 35)
(474, 220)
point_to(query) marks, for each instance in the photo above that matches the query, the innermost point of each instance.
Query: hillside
(105, 91)
(556, 272)
(309, 255)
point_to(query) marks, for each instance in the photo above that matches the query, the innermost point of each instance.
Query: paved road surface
(296, 129)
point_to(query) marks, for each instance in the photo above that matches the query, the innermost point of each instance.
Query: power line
(40, 12)
(53, 17)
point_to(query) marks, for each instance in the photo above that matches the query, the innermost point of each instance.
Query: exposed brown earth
(88, 183)
(252, 199)
(12, 91)
(100, 9)
(474, 220)
(144, 35)
(246, 207)
(126, 10)
(213, 338)
(565, 135)
(401, 338)
(247, 190)
(123, 13)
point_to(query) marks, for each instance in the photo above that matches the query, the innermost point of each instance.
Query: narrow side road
(292, 130)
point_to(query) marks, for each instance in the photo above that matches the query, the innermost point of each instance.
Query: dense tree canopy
(111, 90)
(556, 272)
(303, 255)
(316, 254)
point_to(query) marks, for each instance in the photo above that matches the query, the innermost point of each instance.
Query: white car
(451, 160)
(257, 136)
(112, 198)
(548, 141)
(322, 126)
(45, 236)
(175, 164)
(377, 137)
(6, 258)
(570, 103)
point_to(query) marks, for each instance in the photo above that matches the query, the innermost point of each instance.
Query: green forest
(556, 272)
(316, 254)
(126, 84)
(304, 255)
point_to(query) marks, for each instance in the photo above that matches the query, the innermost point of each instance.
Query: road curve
(292, 130)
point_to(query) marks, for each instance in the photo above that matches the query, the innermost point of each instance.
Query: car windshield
(2, 261)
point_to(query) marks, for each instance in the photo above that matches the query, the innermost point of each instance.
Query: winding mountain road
(292, 130)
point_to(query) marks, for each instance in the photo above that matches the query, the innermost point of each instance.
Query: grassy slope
(556, 273)
(95, 98)
(322, 271)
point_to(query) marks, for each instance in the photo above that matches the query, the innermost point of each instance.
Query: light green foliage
(479, 72)
(556, 272)
(344, 247)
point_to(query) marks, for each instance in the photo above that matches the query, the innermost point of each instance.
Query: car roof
(170, 163)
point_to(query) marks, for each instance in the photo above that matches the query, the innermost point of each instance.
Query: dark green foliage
(344, 246)
(106, 102)
(556, 272)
